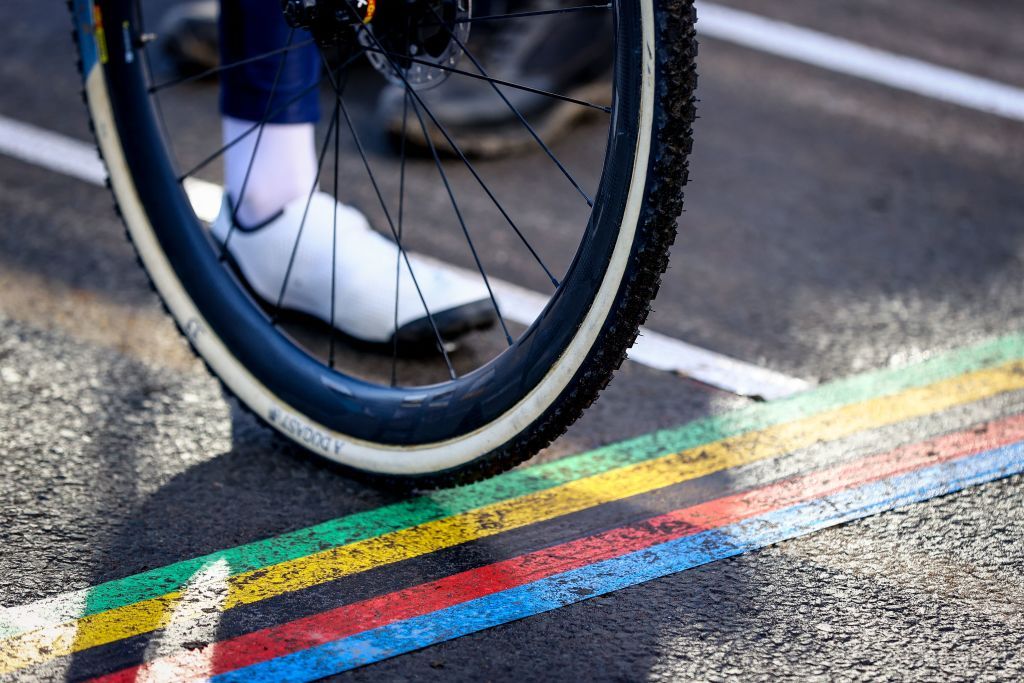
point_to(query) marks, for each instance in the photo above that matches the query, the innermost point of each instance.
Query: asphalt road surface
(834, 226)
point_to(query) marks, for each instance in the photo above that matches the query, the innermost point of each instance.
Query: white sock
(284, 168)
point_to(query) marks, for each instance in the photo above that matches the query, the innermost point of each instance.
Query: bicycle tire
(481, 440)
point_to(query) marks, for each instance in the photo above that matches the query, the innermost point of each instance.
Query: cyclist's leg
(284, 166)
(348, 270)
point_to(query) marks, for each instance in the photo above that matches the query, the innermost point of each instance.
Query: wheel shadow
(263, 487)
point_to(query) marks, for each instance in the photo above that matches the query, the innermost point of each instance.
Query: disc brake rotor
(409, 41)
(422, 44)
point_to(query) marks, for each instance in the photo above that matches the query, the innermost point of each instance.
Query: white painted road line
(853, 59)
(51, 150)
(662, 352)
(79, 160)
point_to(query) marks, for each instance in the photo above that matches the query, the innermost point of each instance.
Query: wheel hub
(409, 41)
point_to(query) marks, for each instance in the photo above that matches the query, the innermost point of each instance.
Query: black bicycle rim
(398, 416)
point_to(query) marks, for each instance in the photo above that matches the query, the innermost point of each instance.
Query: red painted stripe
(345, 621)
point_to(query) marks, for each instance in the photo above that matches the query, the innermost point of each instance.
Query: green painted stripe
(438, 505)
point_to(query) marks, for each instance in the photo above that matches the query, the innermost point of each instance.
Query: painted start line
(306, 604)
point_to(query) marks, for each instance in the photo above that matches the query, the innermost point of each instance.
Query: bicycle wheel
(600, 243)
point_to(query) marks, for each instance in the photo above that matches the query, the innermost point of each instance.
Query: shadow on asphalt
(264, 487)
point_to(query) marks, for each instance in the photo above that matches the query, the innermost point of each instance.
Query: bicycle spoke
(462, 222)
(249, 131)
(401, 216)
(305, 212)
(535, 13)
(458, 151)
(334, 238)
(157, 105)
(213, 71)
(391, 56)
(298, 96)
(394, 232)
(518, 114)
(487, 190)
(256, 147)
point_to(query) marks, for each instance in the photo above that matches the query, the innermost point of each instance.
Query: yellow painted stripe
(106, 627)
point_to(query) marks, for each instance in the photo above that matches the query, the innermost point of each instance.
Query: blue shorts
(249, 28)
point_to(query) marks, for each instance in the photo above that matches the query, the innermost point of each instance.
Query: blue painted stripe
(621, 572)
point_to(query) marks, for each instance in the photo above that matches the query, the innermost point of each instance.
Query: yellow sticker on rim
(100, 35)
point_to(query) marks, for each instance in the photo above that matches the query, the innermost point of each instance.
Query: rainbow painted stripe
(370, 630)
(498, 593)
